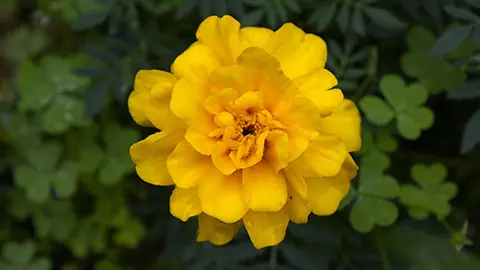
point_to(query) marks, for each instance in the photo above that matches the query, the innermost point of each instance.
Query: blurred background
(70, 198)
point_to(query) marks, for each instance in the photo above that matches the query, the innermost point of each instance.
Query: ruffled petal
(323, 157)
(256, 36)
(263, 189)
(197, 136)
(186, 166)
(278, 92)
(221, 196)
(302, 122)
(259, 64)
(345, 122)
(196, 63)
(311, 54)
(150, 157)
(266, 229)
(223, 36)
(325, 193)
(187, 103)
(231, 77)
(297, 208)
(184, 203)
(316, 86)
(141, 100)
(213, 230)
(221, 158)
(296, 181)
(276, 149)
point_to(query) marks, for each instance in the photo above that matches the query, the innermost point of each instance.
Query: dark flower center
(248, 130)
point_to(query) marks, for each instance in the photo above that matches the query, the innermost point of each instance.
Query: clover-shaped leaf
(406, 104)
(117, 161)
(42, 173)
(431, 194)
(437, 74)
(374, 189)
(88, 237)
(130, 234)
(51, 86)
(56, 219)
(21, 256)
(90, 153)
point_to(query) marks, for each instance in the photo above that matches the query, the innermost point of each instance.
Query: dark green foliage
(69, 195)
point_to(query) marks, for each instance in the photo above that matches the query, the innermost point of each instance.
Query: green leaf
(18, 253)
(461, 13)
(322, 16)
(90, 155)
(385, 141)
(376, 110)
(467, 90)
(65, 111)
(22, 43)
(40, 264)
(44, 157)
(185, 8)
(35, 88)
(450, 40)
(61, 74)
(35, 184)
(131, 234)
(471, 135)
(383, 18)
(343, 17)
(420, 39)
(358, 23)
(433, 193)
(64, 180)
(368, 211)
(410, 123)
(253, 18)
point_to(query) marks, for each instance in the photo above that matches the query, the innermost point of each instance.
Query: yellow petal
(235, 77)
(186, 166)
(266, 229)
(284, 41)
(221, 196)
(221, 158)
(196, 63)
(197, 137)
(140, 99)
(323, 157)
(223, 36)
(302, 122)
(296, 181)
(263, 189)
(316, 86)
(297, 207)
(345, 121)
(311, 54)
(220, 101)
(325, 193)
(250, 101)
(184, 203)
(187, 103)
(350, 168)
(259, 64)
(150, 157)
(276, 149)
(256, 36)
(136, 107)
(278, 92)
(213, 230)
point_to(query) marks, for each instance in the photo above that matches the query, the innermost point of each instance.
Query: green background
(69, 196)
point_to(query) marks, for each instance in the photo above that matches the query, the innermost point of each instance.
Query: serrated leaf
(343, 17)
(471, 135)
(450, 40)
(383, 18)
(252, 18)
(376, 110)
(358, 23)
(322, 16)
(96, 98)
(473, 3)
(297, 257)
(461, 13)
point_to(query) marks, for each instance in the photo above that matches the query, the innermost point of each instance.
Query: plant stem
(273, 258)
(383, 253)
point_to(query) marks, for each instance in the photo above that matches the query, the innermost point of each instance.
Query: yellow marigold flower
(253, 132)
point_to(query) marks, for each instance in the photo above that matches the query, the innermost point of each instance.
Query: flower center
(248, 130)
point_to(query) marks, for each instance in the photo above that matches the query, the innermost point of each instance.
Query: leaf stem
(273, 258)
(383, 254)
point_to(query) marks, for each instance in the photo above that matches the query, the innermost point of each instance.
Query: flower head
(252, 131)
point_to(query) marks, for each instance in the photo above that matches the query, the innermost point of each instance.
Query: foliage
(69, 194)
